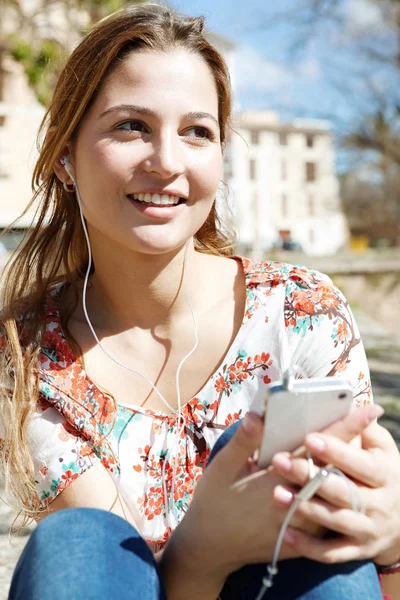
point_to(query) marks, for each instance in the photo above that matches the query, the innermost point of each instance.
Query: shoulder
(277, 273)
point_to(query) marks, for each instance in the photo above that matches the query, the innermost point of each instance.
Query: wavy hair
(54, 250)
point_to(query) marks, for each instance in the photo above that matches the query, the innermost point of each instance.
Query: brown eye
(131, 126)
(201, 133)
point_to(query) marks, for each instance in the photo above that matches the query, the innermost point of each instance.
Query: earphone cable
(179, 427)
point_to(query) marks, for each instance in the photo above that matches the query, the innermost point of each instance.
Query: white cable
(305, 494)
(317, 478)
(175, 451)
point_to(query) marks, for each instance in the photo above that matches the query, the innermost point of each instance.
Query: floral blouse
(293, 315)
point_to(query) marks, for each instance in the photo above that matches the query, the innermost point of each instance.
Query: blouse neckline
(73, 364)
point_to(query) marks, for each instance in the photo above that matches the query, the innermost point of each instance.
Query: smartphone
(293, 412)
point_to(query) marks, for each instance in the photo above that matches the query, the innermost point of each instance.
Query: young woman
(114, 393)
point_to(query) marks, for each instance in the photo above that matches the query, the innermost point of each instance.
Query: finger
(376, 436)
(356, 462)
(342, 520)
(330, 551)
(354, 422)
(334, 489)
(351, 425)
(295, 470)
(232, 458)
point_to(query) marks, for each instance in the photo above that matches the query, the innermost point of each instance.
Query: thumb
(376, 436)
(233, 457)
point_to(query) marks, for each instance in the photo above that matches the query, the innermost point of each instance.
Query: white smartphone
(308, 405)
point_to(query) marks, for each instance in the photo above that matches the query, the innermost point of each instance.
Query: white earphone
(64, 160)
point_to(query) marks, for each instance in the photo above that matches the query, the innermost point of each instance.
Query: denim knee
(224, 439)
(86, 552)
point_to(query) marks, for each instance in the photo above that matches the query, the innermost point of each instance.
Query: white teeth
(156, 198)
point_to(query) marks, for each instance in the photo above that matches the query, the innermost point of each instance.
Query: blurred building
(283, 185)
(20, 117)
(281, 176)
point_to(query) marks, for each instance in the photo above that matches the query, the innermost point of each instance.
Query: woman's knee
(83, 518)
(88, 552)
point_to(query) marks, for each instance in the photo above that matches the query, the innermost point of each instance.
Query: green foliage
(40, 61)
(42, 57)
(21, 51)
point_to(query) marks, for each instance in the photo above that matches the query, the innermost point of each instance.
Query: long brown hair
(54, 250)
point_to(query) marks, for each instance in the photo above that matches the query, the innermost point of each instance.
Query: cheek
(103, 165)
(208, 177)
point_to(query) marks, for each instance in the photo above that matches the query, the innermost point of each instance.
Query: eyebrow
(142, 110)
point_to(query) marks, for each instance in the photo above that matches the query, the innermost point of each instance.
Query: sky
(302, 72)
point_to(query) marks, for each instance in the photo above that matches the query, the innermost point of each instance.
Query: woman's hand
(375, 470)
(231, 522)
(227, 525)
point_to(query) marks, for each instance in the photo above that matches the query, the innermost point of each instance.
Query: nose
(165, 156)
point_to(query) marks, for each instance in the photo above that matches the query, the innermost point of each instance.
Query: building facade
(284, 190)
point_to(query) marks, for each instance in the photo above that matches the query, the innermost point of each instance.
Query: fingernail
(289, 537)
(282, 462)
(315, 443)
(251, 423)
(374, 412)
(283, 495)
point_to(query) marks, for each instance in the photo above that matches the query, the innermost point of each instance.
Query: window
(252, 169)
(310, 171)
(255, 137)
(284, 205)
(283, 170)
(283, 138)
(309, 140)
(311, 206)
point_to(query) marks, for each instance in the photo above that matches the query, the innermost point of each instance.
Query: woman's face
(152, 129)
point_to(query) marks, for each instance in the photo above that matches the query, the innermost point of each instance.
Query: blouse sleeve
(60, 454)
(323, 336)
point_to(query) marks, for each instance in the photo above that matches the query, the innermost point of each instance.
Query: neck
(131, 290)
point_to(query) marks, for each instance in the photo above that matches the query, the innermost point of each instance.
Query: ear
(59, 168)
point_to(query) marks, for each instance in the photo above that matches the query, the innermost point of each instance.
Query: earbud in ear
(64, 160)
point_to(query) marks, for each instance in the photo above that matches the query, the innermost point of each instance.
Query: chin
(158, 246)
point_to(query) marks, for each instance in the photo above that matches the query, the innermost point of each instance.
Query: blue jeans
(95, 555)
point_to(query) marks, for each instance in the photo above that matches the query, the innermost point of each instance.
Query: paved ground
(384, 360)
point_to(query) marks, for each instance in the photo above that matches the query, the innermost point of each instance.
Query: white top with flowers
(293, 315)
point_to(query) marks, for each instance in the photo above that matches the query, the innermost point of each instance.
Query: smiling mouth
(156, 200)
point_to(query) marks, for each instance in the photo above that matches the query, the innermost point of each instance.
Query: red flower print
(303, 304)
(221, 385)
(230, 419)
(106, 412)
(85, 450)
(328, 298)
(68, 432)
(342, 331)
(44, 470)
(67, 478)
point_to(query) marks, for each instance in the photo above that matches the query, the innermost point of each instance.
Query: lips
(157, 211)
